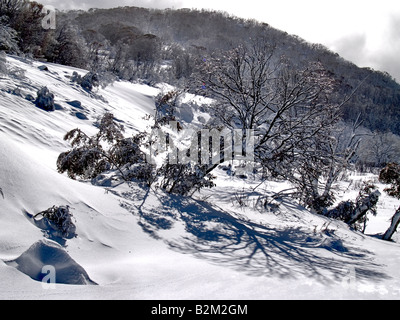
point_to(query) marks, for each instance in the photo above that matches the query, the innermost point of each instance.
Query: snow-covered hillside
(132, 243)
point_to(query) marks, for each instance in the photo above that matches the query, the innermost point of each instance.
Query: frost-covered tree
(3, 63)
(91, 156)
(8, 39)
(69, 48)
(391, 175)
(23, 18)
(321, 161)
(380, 149)
(288, 108)
(355, 213)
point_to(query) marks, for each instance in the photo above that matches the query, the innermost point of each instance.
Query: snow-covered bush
(391, 175)
(88, 158)
(166, 107)
(110, 150)
(355, 213)
(87, 82)
(84, 162)
(107, 150)
(127, 150)
(185, 179)
(1, 192)
(60, 220)
(45, 99)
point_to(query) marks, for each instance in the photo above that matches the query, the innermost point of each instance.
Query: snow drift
(144, 244)
(44, 253)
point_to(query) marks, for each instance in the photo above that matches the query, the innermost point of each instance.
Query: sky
(364, 32)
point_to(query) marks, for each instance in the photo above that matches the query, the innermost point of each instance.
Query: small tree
(8, 38)
(89, 157)
(106, 150)
(391, 175)
(185, 179)
(69, 48)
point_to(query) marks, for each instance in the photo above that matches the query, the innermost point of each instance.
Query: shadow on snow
(256, 249)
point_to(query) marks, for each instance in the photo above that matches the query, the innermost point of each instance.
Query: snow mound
(46, 253)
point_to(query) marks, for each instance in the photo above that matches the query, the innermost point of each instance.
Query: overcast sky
(365, 32)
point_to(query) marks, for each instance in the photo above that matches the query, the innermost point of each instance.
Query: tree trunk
(393, 227)
(363, 207)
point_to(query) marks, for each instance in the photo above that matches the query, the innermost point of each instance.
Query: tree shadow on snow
(256, 249)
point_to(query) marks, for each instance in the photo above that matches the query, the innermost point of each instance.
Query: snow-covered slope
(133, 243)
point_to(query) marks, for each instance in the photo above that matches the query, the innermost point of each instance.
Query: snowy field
(133, 243)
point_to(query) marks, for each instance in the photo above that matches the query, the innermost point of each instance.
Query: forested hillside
(167, 45)
(181, 37)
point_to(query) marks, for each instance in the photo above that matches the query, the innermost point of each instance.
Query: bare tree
(288, 109)
(322, 160)
(380, 149)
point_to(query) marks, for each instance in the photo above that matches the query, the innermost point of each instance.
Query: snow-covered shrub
(127, 151)
(184, 179)
(110, 150)
(391, 175)
(45, 99)
(87, 159)
(60, 220)
(87, 82)
(355, 213)
(1, 192)
(166, 107)
(76, 77)
(107, 150)
(142, 172)
(85, 162)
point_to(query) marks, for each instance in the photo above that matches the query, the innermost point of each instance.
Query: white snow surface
(138, 244)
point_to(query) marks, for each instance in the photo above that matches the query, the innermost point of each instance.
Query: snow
(135, 243)
(44, 253)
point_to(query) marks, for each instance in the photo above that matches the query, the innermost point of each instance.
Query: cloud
(352, 47)
(389, 54)
(379, 49)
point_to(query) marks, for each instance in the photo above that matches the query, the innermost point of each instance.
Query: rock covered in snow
(47, 253)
